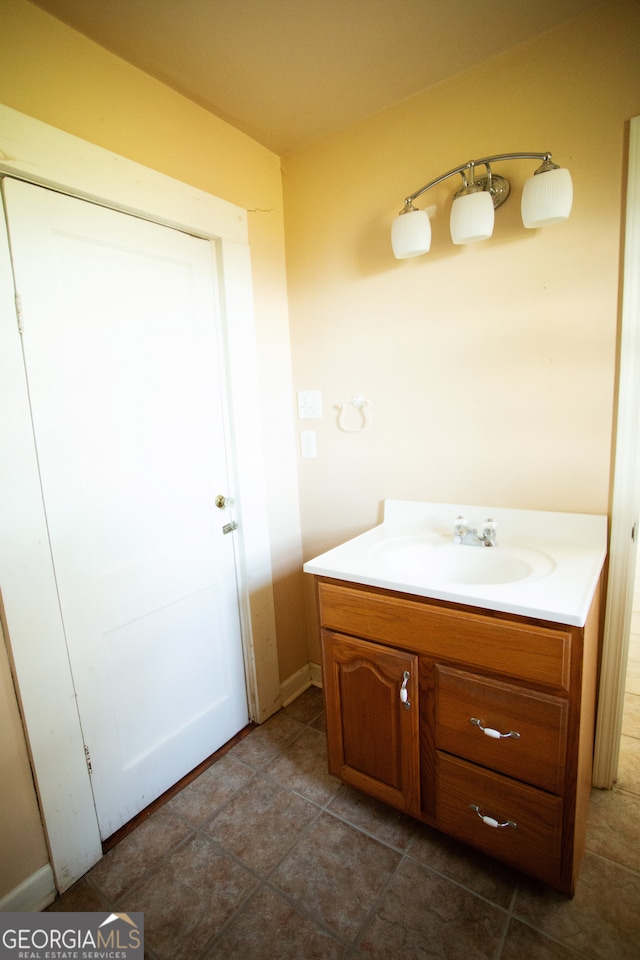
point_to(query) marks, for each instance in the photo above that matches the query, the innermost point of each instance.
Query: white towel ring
(359, 403)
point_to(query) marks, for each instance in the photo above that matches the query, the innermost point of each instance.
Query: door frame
(38, 153)
(625, 504)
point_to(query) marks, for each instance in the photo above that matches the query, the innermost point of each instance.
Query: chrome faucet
(469, 536)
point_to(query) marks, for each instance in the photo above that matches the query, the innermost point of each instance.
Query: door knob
(223, 502)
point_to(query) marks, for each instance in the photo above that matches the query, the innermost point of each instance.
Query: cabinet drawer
(536, 756)
(525, 651)
(532, 844)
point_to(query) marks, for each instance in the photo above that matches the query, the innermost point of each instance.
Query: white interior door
(122, 359)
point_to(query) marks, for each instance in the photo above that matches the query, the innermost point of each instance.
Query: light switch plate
(309, 404)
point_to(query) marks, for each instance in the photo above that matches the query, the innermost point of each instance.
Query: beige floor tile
(601, 922)
(200, 800)
(80, 898)
(267, 741)
(613, 826)
(635, 612)
(524, 943)
(271, 929)
(631, 715)
(302, 767)
(632, 684)
(261, 823)
(189, 898)
(337, 873)
(628, 777)
(307, 707)
(634, 637)
(139, 852)
(481, 874)
(320, 723)
(422, 915)
(374, 817)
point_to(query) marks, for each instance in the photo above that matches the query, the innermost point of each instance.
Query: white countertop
(545, 565)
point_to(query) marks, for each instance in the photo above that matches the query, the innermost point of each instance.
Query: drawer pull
(491, 821)
(495, 734)
(404, 693)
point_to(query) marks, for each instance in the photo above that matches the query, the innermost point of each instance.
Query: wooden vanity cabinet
(477, 723)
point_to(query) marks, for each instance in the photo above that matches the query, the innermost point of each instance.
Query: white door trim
(41, 154)
(625, 506)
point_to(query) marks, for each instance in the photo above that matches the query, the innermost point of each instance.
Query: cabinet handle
(491, 821)
(494, 734)
(404, 693)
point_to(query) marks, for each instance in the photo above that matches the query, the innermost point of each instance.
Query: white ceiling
(289, 72)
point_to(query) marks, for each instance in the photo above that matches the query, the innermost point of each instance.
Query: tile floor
(268, 857)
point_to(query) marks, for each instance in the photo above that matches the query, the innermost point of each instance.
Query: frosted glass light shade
(410, 234)
(472, 217)
(547, 198)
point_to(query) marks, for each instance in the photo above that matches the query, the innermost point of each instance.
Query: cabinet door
(372, 719)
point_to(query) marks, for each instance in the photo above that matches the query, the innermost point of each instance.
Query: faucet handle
(460, 529)
(489, 532)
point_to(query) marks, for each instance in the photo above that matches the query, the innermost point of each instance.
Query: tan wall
(54, 74)
(491, 367)
(22, 847)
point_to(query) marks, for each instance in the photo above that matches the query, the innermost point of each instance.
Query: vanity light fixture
(546, 198)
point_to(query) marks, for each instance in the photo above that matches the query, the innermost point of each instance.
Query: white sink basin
(546, 565)
(442, 561)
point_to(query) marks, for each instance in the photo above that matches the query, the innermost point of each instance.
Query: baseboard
(32, 895)
(308, 676)
(316, 674)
